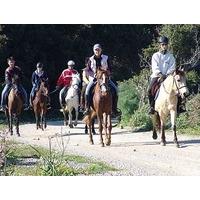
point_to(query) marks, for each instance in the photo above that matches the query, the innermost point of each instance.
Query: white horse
(166, 103)
(72, 101)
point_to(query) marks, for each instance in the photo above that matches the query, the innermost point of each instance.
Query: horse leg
(109, 125)
(100, 130)
(86, 129)
(45, 122)
(37, 121)
(105, 127)
(93, 129)
(173, 122)
(65, 118)
(42, 121)
(17, 125)
(70, 118)
(11, 124)
(90, 134)
(163, 140)
(76, 120)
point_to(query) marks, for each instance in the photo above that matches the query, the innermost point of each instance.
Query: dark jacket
(10, 72)
(37, 77)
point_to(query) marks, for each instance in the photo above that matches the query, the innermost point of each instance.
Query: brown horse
(15, 105)
(166, 103)
(40, 105)
(102, 108)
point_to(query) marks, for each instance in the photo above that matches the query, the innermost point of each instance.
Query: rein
(174, 82)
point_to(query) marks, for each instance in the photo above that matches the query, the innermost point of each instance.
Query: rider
(64, 80)
(85, 81)
(10, 72)
(38, 75)
(163, 64)
(99, 61)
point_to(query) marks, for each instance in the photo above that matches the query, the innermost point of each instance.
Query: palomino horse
(72, 101)
(40, 105)
(15, 105)
(102, 108)
(166, 103)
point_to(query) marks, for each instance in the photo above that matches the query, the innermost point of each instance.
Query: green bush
(140, 119)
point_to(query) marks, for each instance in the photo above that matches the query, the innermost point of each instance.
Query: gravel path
(133, 153)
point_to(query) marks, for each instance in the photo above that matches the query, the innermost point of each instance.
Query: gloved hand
(162, 77)
(94, 80)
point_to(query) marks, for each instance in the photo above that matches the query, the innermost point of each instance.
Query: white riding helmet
(70, 63)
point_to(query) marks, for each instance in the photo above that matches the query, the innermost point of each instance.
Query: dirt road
(133, 153)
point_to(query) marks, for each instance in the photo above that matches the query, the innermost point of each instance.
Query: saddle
(155, 89)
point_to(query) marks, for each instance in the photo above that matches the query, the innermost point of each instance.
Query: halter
(178, 88)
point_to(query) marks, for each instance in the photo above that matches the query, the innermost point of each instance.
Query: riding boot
(87, 105)
(115, 111)
(152, 105)
(48, 103)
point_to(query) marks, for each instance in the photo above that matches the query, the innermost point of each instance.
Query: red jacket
(64, 80)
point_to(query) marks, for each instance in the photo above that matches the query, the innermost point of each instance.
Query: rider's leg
(25, 97)
(32, 95)
(87, 97)
(62, 96)
(4, 96)
(114, 91)
(82, 100)
(150, 96)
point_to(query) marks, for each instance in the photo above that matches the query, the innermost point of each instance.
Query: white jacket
(164, 63)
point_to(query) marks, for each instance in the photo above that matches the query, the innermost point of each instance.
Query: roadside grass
(27, 160)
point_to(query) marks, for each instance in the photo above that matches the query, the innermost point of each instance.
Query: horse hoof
(108, 143)
(177, 145)
(11, 133)
(102, 144)
(71, 126)
(163, 143)
(155, 136)
(75, 124)
(18, 134)
(93, 132)
(91, 142)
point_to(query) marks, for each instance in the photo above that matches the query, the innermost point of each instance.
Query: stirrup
(151, 111)
(86, 112)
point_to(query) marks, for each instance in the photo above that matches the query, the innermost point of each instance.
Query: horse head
(102, 79)
(44, 87)
(75, 81)
(15, 84)
(180, 82)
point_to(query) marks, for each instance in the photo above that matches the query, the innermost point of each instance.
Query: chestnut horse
(15, 105)
(40, 105)
(102, 108)
(166, 103)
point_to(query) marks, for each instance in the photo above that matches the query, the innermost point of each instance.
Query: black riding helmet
(163, 39)
(39, 65)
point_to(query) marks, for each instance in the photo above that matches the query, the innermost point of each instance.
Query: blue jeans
(114, 88)
(6, 91)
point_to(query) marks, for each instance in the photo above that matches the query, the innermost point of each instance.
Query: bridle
(178, 88)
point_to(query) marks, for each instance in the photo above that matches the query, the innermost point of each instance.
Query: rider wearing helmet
(37, 76)
(99, 61)
(163, 64)
(10, 72)
(64, 80)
